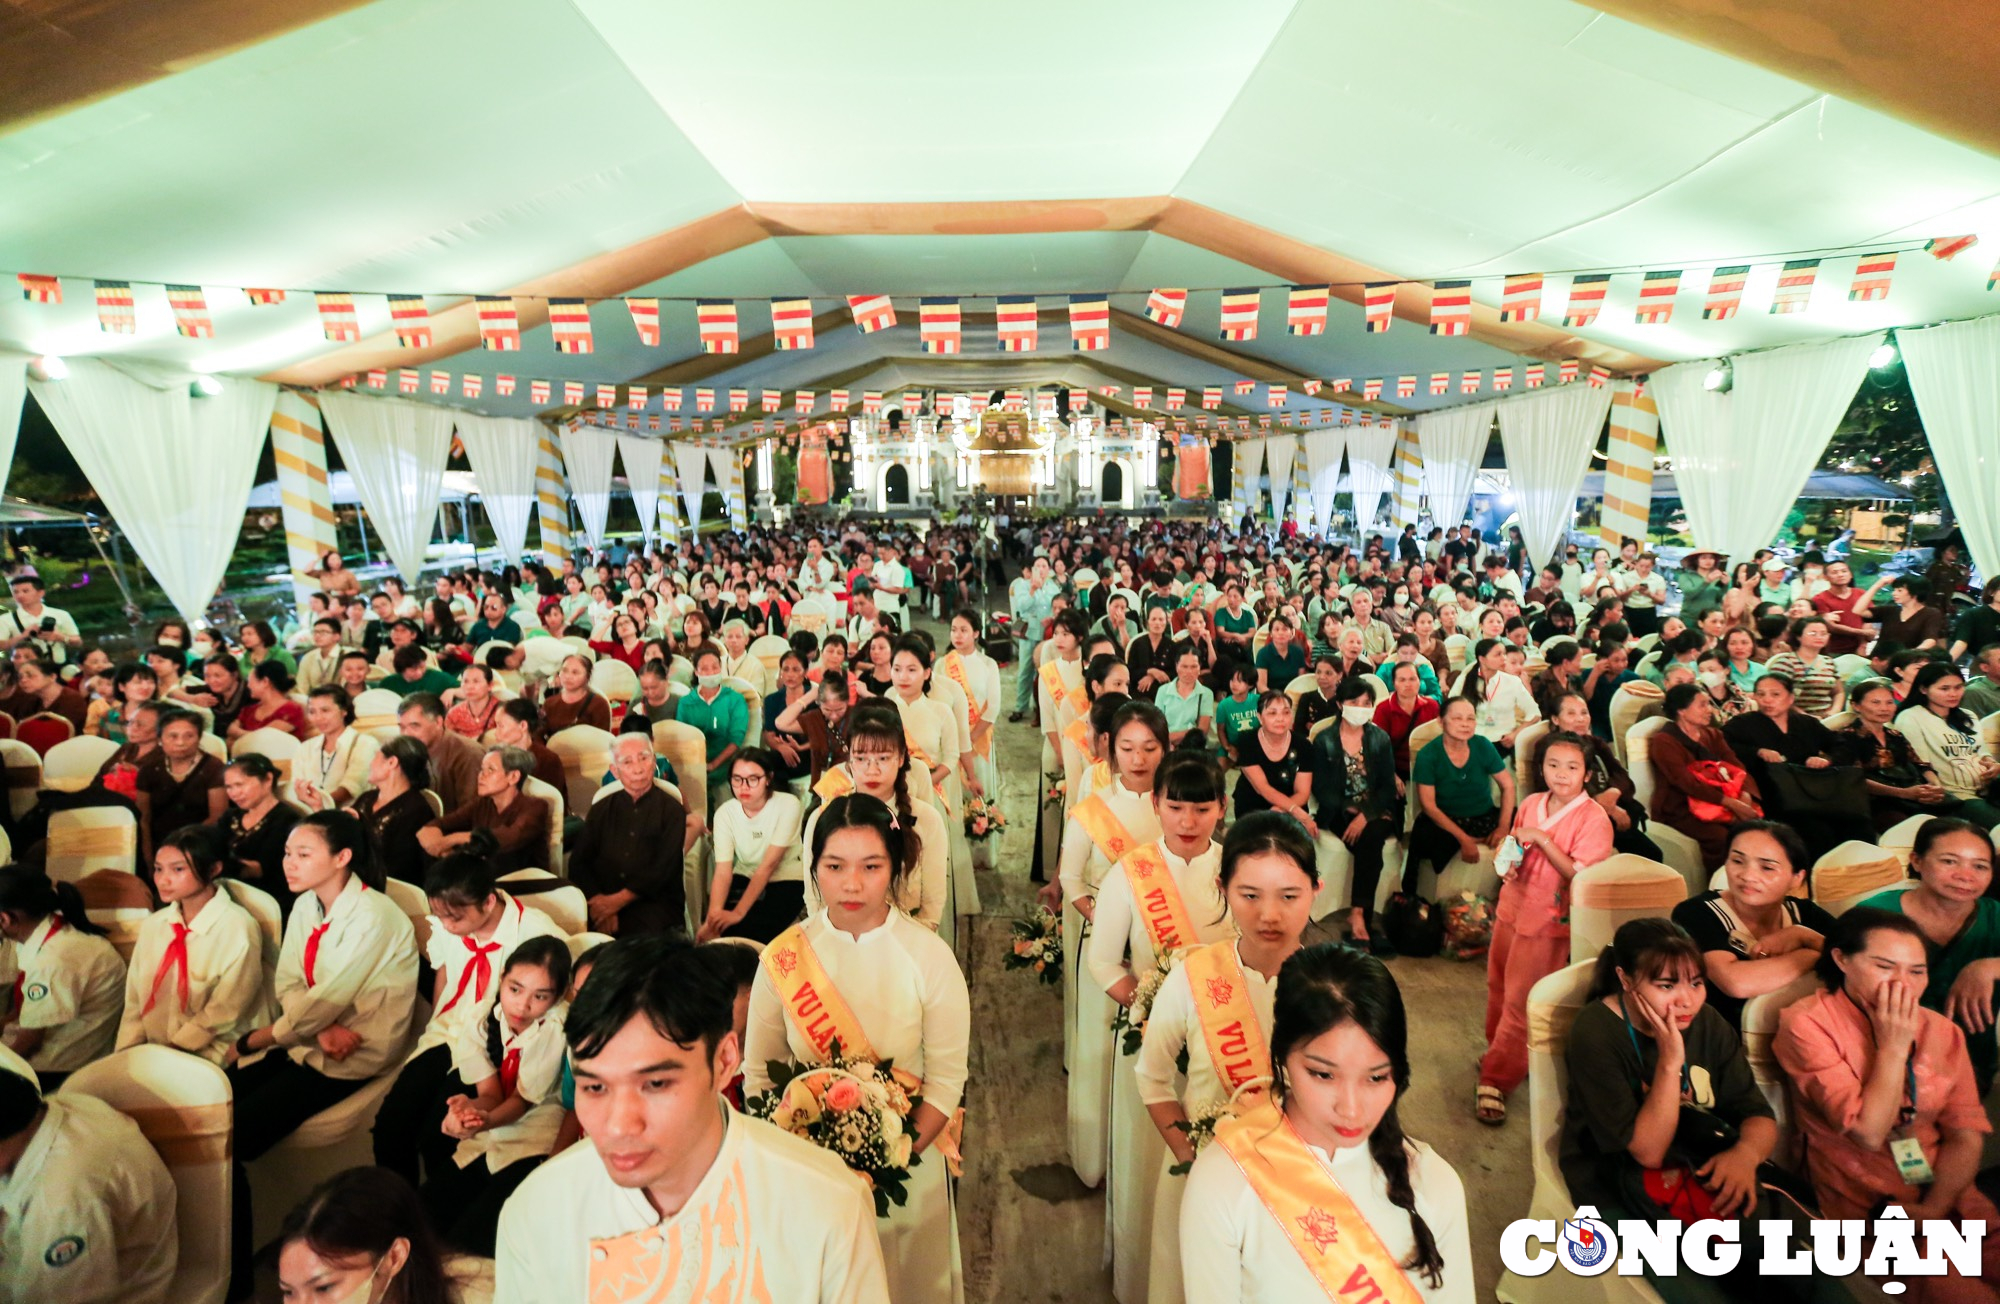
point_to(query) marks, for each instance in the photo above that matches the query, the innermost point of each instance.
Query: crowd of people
(1240, 731)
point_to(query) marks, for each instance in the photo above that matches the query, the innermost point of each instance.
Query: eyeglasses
(745, 780)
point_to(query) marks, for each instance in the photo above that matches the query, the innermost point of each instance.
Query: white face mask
(1711, 678)
(709, 681)
(1402, 599)
(1357, 715)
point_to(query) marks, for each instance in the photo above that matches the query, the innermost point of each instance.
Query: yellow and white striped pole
(299, 446)
(1409, 474)
(670, 515)
(552, 500)
(1628, 468)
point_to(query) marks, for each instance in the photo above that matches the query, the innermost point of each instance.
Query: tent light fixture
(1720, 378)
(1885, 355)
(49, 367)
(205, 387)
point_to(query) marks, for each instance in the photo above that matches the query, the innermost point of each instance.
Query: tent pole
(361, 523)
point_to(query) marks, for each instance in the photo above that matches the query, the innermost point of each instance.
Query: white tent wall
(503, 452)
(1741, 457)
(641, 459)
(726, 462)
(587, 456)
(1322, 450)
(13, 391)
(1279, 452)
(691, 463)
(1955, 373)
(1453, 443)
(1370, 450)
(174, 470)
(1249, 463)
(1549, 436)
(396, 452)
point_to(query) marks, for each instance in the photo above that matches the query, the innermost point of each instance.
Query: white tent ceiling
(461, 146)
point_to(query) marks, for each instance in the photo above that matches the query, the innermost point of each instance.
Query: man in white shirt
(674, 1193)
(52, 633)
(892, 583)
(1643, 590)
(86, 1206)
(816, 572)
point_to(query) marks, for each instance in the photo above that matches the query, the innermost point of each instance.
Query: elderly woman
(573, 702)
(1776, 735)
(1454, 776)
(738, 662)
(1685, 755)
(1946, 738)
(519, 823)
(270, 705)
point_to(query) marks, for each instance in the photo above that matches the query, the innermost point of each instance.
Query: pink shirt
(1534, 900)
(1826, 1044)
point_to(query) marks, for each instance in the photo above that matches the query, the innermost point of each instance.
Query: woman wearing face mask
(1359, 800)
(1358, 1202)
(1558, 831)
(1712, 676)
(901, 998)
(361, 1237)
(1900, 784)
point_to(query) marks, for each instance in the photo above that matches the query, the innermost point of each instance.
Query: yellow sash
(1158, 900)
(1053, 681)
(1112, 839)
(1339, 1247)
(812, 1003)
(954, 665)
(834, 782)
(1235, 1040)
(1078, 736)
(921, 757)
(1100, 776)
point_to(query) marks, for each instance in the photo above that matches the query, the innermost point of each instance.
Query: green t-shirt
(1233, 719)
(1241, 623)
(1466, 791)
(431, 681)
(1979, 941)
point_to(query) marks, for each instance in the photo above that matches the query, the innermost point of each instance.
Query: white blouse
(1505, 706)
(346, 766)
(742, 840)
(225, 981)
(1083, 865)
(923, 890)
(1120, 930)
(452, 957)
(982, 681)
(72, 987)
(542, 1047)
(1174, 1025)
(365, 979)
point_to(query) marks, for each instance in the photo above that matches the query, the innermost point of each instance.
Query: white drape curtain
(728, 481)
(1249, 470)
(1279, 452)
(1371, 455)
(1955, 373)
(502, 451)
(13, 389)
(1323, 449)
(1549, 435)
(395, 451)
(641, 459)
(691, 466)
(587, 455)
(1453, 443)
(1741, 458)
(174, 470)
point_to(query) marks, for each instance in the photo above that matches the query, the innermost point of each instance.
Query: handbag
(1834, 792)
(1414, 926)
(1716, 774)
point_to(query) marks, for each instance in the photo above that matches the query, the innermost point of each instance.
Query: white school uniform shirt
(1173, 1025)
(1083, 866)
(454, 958)
(72, 987)
(903, 984)
(1120, 930)
(225, 981)
(890, 572)
(796, 1218)
(538, 1082)
(1234, 1252)
(922, 894)
(1646, 593)
(365, 980)
(87, 1216)
(744, 840)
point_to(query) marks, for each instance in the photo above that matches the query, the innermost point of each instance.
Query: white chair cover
(71, 764)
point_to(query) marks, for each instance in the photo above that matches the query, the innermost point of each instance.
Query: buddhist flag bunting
(802, 401)
(39, 289)
(1239, 313)
(1586, 298)
(264, 298)
(1451, 307)
(377, 378)
(499, 324)
(704, 400)
(1167, 307)
(440, 382)
(1440, 382)
(503, 386)
(336, 317)
(1503, 379)
(1264, 421)
(1469, 382)
(1176, 399)
(1532, 377)
(1018, 323)
(569, 322)
(1311, 387)
(607, 396)
(1346, 417)
(1244, 387)
(770, 400)
(470, 385)
(1947, 247)
(1993, 277)
(115, 313)
(1406, 387)
(839, 400)
(1656, 298)
(1015, 401)
(538, 392)
(1089, 323)
(1521, 297)
(407, 381)
(1871, 277)
(791, 324)
(1275, 395)
(872, 312)
(645, 320)
(1341, 385)
(715, 322)
(191, 317)
(1378, 306)
(938, 325)
(1079, 399)
(411, 320)
(871, 402)
(1371, 389)
(1725, 292)
(1598, 376)
(739, 400)
(1142, 396)
(913, 403)
(1211, 397)
(573, 392)
(1795, 286)
(653, 421)
(635, 397)
(1305, 312)
(1566, 371)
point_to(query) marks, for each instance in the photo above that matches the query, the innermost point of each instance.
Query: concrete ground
(1031, 1232)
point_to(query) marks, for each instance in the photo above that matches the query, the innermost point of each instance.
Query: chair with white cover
(1420, 737)
(278, 746)
(687, 751)
(565, 905)
(1616, 891)
(556, 863)
(1300, 686)
(90, 838)
(1901, 841)
(22, 765)
(580, 646)
(1850, 665)
(770, 650)
(1553, 1005)
(119, 903)
(1377, 690)
(1760, 1032)
(1336, 871)
(416, 907)
(72, 763)
(1854, 871)
(680, 672)
(213, 745)
(331, 1141)
(376, 708)
(753, 705)
(270, 917)
(1839, 720)
(1989, 734)
(814, 612)
(614, 681)
(1646, 643)
(1457, 650)
(585, 752)
(1626, 703)
(582, 942)
(1524, 756)
(182, 1106)
(1676, 848)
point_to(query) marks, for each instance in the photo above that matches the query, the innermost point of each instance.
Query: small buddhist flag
(1503, 379)
(1275, 395)
(871, 402)
(503, 386)
(715, 323)
(670, 398)
(1244, 387)
(1211, 397)
(39, 289)
(1566, 371)
(1372, 389)
(573, 393)
(1586, 299)
(1725, 292)
(440, 382)
(1451, 307)
(802, 401)
(1871, 278)
(1305, 311)
(704, 400)
(1946, 247)
(1311, 387)
(1142, 396)
(653, 422)
(191, 317)
(499, 324)
(739, 400)
(115, 313)
(838, 399)
(635, 397)
(1346, 417)
(1264, 420)
(411, 320)
(1079, 399)
(1239, 313)
(1089, 323)
(770, 400)
(872, 312)
(791, 324)
(1656, 298)
(1406, 387)
(913, 402)
(1017, 321)
(569, 323)
(607, 396)
(264, 298)
(1340, 386)
(1598, 376)
(1469, 382)
(538, 391)
(1176, 399)
(939, 328)
(645, 320)
(1532, 377)
(336, 317)
(1378, 306)
(471, 386)
(1795, 286)
(1521, 297)
(407, 381)
(1167, 307)
(378, 378)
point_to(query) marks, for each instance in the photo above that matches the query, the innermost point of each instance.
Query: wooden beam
(977, 217)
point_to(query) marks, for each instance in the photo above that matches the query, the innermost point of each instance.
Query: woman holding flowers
(1157, 902)
(861, 980)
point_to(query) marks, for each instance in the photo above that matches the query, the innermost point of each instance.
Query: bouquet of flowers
(856, 1109)
(1054, 788)
(1200, 1126)
(983, 819)
(1038, 946)
(1131, 1020)
(1468, 926)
